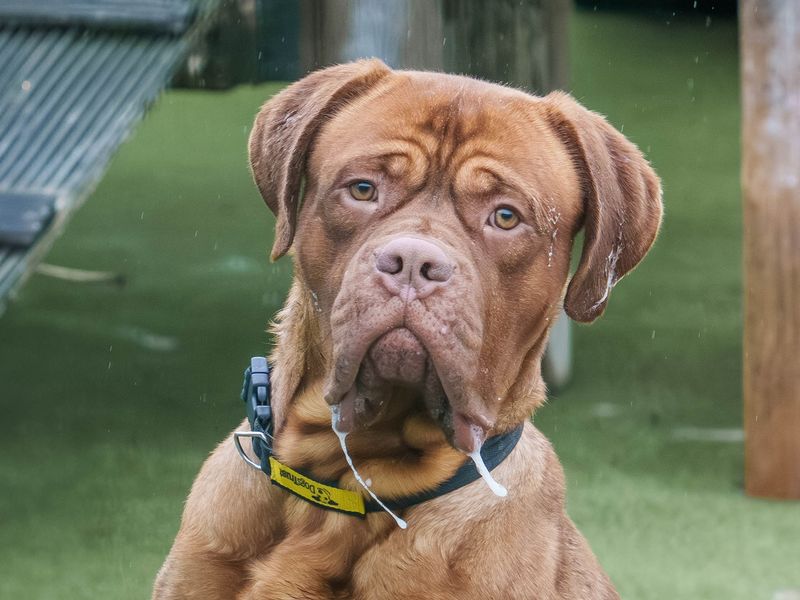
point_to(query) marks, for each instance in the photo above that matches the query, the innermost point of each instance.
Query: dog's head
(432, 218)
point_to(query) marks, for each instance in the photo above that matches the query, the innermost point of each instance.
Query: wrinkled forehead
(426, 123)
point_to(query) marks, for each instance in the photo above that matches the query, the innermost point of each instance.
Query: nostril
(436, 271)
(425, 269)
(389, 263)
(410, 261)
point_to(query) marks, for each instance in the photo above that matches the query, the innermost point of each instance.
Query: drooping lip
(449, 394)
(350, 348)
(465, 432)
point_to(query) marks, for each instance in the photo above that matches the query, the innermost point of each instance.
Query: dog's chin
(398, 358)
(389, 383)
(398, 376)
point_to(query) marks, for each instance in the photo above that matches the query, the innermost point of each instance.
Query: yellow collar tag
(326, 496)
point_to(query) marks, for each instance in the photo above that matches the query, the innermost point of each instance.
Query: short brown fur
(440, 147)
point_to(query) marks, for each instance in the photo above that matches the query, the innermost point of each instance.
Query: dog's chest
(429, 560)
(435, 564)
(387, 572)
(342, 557)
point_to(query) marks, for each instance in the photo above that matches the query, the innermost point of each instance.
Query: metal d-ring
(249, 434)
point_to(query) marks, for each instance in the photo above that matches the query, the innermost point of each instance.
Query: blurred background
(127, 323)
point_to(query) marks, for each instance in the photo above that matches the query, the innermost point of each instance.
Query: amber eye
(505, 218)
(363, 191)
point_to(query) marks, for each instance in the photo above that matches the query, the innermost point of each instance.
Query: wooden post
(770, 50)
(521, 42)
(405, 34)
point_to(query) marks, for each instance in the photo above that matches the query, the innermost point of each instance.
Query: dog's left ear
(621, 201)
(285, 128)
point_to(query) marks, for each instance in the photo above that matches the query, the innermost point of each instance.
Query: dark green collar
(256, 396)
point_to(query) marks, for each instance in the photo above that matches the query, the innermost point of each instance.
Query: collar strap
(327, 494)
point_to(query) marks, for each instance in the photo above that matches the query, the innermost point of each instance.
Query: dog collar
(256, 396)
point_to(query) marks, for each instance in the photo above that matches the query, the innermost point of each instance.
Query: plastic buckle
(256, 394)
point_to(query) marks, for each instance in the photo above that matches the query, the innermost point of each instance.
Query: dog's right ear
(621, 201)
(285, 128)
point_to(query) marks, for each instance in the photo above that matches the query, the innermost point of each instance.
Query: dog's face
(435, 231)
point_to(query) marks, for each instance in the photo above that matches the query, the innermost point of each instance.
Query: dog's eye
(505, 218)
(363, 191)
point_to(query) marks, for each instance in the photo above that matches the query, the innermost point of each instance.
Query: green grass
(111, 398)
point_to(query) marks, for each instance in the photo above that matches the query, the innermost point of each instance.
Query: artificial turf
(112, 397)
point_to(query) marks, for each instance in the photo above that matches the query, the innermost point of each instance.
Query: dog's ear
(285, 128)
(621, 203)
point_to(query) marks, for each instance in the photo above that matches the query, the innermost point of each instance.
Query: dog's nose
(412, 267)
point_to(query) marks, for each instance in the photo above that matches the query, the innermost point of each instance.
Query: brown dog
(432, 218)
